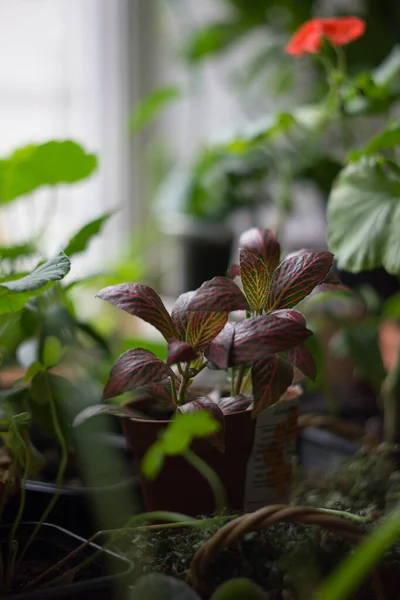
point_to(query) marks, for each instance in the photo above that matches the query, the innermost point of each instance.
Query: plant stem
(63, 463)
(184, 383)
(233, 381)
(362, 520)
(211, 476)
(239, 380)
(391, 403)
(173, 390)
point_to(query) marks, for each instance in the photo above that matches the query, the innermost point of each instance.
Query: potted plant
(264, 346)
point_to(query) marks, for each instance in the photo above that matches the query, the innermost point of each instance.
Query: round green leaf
(52, 351)
(364, 216)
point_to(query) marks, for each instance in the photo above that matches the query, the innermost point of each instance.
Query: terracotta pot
(255, 468)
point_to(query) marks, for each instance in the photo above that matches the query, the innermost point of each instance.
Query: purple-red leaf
(258, 337)
(270, 378)
(180, 352)
(235, 403)
(290, 313)
(303, 359)
(233, 271)
(255, 279)
(218, 352)
(141, 301)
(203, 327)
(159, 393)
(262, 243)
(332, 278)
(218, 295)
(135, 368)
(296, 277)
(218, 438)
(180, 314)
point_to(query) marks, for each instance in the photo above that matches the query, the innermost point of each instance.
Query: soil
(288, 560)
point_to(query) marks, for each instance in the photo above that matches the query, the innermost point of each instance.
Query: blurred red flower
(340, 31)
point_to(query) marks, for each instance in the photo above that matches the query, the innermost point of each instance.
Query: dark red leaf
(135, 368)
(303, 359)
(262, 243)
(218, 295)
(218, 438)
(233, 271)
(258, 337)
(255, 279)
(270, 378)
(332, 278)
(141, 301)
(180, 314)
(290, 313)
(235, 403)
(218, 352)
(203, 327)
(159, 393)
(180, 352)
(296, 277)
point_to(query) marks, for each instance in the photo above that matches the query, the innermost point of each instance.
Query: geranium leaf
(302, 358)
(258, 337)
(296, 277)
(204, 327)
(363, 217)
(235, 403)
(255, 279)
(217, 439)
(218, 352)
(180, 352)
(133, 369)
(262, 243)
(218, 295)
(141, 301)
(271, 378)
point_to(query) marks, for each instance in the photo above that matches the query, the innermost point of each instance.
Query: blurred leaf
(80, 241)
(51, 163)
(391, 308)
(52, 352)
(162, 587)
(362, 342)
(123, 412)
(386, 139)
(18, 251)
(212, 39)
(363, 218)
(389, 69)
(147, 110)
(35, 368)
(239, 589)
(15, 294)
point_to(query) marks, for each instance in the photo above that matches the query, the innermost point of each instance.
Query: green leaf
(51, 163)
(255, 279)
(152, 106)
(384, 140)
(52, 352)
(153, 460)
(363, 218)
(17, 251)
(80, 241)
(35, 368)
(15, 294)
(239, 589)
(212, 39)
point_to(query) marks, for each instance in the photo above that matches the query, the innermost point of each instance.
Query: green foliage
(177, 438)
(51, 163)
(386, 139)
(147, 110)
(52, 352)
(15, 294)
(80, 241)
(239, 589)
(364, 216)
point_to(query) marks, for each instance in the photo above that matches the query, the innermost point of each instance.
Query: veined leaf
(270, 378)
(160, 393)
(302, 358)
(80, 241)
(133, 369)
(124, 412)
(235, 403)
(255, 279)
(180, 314)
(50, 163)
(180, 352)
(290, 313)
(204, 327)
(258, 337)
(220, 294)
(262, 243)
(233, 271)
(218, 352)
(141, 301)
(364, 216)
(15, 294)
(296, 277)
(217, 438)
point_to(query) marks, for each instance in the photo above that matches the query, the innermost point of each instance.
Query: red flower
(340, 31)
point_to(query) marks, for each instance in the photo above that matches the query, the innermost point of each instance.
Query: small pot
(255, 468)
(102, 579)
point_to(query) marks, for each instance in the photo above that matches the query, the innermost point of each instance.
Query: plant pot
(103, 579)
(255, 468)
(77, 508)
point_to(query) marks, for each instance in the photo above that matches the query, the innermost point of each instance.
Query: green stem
(232, 381)
(239, 380)
(60, 475)
(211, 476)
(184, 383)
(173, 390)
(361, 520)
